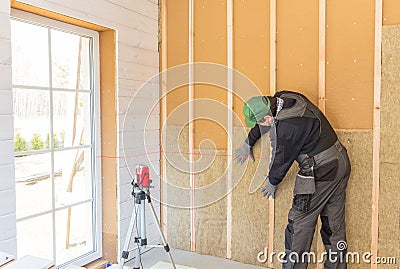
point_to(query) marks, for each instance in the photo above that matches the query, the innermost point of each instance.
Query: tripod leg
(166, 247)
(140, 228)
(143, 235)
(138, 260)
(125, 252)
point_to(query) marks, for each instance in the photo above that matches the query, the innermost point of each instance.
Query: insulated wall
(240, 35)
(389, 204)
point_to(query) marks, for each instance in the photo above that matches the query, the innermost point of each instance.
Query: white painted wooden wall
(136, 23)
(8, 242)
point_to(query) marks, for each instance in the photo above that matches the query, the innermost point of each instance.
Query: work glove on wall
(241, 154)
(269, 189)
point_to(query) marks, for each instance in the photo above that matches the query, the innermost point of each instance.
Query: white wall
(136, 23)
(8, 242)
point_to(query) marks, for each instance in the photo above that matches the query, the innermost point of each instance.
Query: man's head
(258, 110)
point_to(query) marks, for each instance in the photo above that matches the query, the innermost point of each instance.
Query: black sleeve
(294, 137)
(255, 133)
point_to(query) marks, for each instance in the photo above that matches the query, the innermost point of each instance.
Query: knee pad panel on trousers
(289, 231)
(326, 231)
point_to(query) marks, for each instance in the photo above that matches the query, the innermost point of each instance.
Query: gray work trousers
(325, 197)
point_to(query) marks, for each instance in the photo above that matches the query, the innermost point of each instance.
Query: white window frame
(95, 124)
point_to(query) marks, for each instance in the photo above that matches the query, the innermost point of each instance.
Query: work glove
(242, 153)
(269, 189)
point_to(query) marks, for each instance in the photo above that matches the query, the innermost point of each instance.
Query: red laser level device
(142, 175)
(141, 193)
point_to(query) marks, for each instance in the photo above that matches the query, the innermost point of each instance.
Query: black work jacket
(294, 136)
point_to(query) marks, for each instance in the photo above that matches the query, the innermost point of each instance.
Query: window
(57, 138)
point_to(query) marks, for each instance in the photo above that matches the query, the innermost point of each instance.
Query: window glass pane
(33, 184)
(74, 232)
(71, 114)
(73, 179)
(60, 180)
(70, 60)
(30, 54)
(35, 237)
(31, 119)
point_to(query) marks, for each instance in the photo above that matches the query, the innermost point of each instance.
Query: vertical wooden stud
(191, 126)
(164, 66)
(230, 128)
(272, 90)
(321, 95)
(376, 131)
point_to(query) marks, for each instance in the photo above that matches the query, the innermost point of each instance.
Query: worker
(300, 131)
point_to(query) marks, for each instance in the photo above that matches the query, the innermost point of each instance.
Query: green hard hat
(255, 109)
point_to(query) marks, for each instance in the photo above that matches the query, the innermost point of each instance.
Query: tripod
(138, 219)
